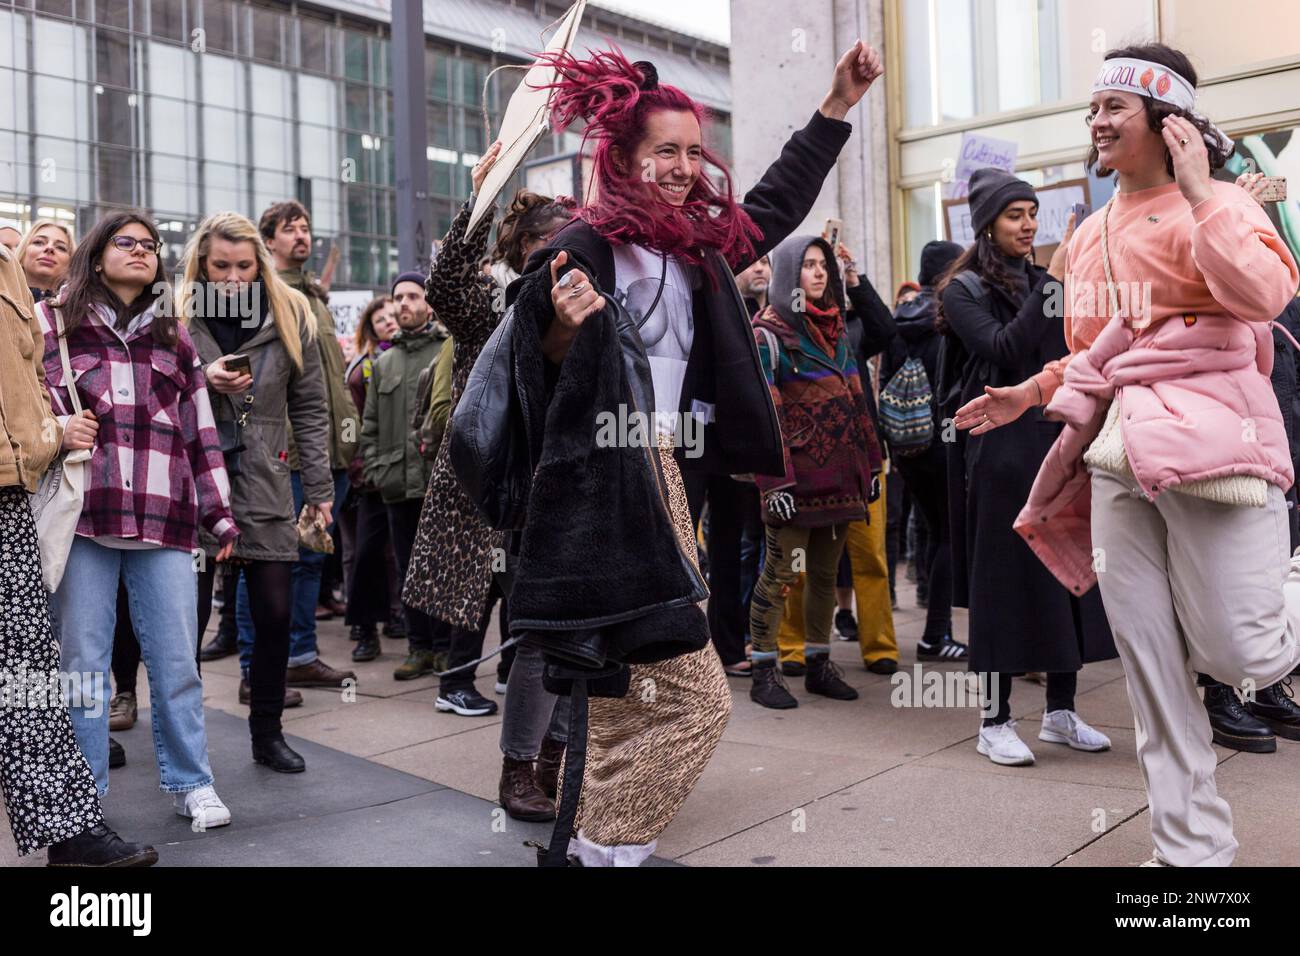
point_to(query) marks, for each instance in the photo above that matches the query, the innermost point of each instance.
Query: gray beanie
(991, 191)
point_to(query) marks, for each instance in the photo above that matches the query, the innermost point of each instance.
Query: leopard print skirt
(646, 750)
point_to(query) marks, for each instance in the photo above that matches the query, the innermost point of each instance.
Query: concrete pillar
(782, 60)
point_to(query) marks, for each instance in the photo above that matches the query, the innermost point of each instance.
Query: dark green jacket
(345, 423)
(390, 447)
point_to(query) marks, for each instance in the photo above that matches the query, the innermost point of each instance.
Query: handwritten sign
(976, 152)
(346, 308)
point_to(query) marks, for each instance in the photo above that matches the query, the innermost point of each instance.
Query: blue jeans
(162, 592)
(306, 591)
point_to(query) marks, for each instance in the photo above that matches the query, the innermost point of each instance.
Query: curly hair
(1157, 110)
(530, 216)
(615, 98)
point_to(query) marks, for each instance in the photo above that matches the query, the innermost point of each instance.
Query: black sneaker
(1274, 706)
(944, 650)
(793, 668)
(826, 679)
(467, 703)
(116, 754)
(886, 665)
(99, 846)
(768, 688)
(845, 626)
(1234, 726)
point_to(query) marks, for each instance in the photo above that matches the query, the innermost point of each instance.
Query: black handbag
(488, 446)
(230, 433)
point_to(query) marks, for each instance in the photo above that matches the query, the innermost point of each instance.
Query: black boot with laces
(1233, 725)
(1275, 707)
(826, 679)
(768, 687)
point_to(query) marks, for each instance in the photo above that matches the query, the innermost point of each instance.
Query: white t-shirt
(669, 330)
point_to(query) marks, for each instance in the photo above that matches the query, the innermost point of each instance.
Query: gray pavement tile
(930, 816)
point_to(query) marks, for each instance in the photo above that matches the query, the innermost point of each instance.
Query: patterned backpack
(906, 410)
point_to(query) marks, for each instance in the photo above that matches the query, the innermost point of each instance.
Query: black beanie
(936, 257)
(991, 191)
(412, 276)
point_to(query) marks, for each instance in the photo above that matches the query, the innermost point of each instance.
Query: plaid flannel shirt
(156, 468)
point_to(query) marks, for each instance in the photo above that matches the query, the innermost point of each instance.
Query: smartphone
(1272, 189)
(239, 364)
(1081, 212)
(832, 234)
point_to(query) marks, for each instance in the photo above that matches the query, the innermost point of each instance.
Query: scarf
(825, 325)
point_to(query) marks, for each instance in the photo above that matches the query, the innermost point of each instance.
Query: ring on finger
(1183, 141)
(577, 291)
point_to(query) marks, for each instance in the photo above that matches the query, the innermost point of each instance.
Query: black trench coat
(1021, 617)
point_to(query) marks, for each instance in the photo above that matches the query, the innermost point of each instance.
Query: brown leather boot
(317, 674)
(520, 795)
(548, 765)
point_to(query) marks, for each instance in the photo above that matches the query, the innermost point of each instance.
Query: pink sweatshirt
(1222, 258)
(1195, 399)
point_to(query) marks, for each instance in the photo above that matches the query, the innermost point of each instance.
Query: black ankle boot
(100, 846)
(826, 679)
(768, 687)
(1274, 706)
(273, 752)
(1234, 726)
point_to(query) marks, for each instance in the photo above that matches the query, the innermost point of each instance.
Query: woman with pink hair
(630, 313)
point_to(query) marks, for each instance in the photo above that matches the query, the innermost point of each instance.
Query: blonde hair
(285, 304)
(36, 227)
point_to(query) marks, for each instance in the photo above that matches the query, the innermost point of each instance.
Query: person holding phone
(237, 307)
(154, 478)
(992, 304)
(1173, 462)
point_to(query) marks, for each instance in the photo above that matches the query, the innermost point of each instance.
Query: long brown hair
(985, 259)
(366, 338)
(84, 288)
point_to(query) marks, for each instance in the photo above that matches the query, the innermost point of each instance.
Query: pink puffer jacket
(1195, 403)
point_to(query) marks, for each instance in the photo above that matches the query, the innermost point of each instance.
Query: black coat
(1286, 386)
(1021, 618)
(723, 369)
(870, 327)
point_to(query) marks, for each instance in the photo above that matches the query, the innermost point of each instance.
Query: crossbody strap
(67, 365)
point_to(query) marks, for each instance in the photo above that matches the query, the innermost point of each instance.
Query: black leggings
(1060, 694)
(270, 599)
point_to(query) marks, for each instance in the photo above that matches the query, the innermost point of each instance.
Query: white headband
(1157, 82)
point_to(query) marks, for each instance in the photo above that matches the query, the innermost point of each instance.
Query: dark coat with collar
(1021, 618)
(601, 574)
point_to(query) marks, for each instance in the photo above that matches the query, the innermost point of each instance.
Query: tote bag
(56, 505)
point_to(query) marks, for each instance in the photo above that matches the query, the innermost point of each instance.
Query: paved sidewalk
(859, 783)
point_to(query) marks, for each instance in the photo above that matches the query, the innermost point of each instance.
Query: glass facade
(187, 107)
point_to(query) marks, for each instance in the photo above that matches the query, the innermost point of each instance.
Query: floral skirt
(49, 791)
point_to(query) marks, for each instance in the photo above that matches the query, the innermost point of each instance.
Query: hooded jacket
(829, 449)
(30, 436)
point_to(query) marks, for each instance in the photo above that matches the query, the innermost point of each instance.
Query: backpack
(906, 415)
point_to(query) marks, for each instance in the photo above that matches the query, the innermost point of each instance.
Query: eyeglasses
(128, 243)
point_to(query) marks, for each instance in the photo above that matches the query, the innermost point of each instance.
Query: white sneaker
(1001, 744)
(1067, 727)
(499, 687)
(203, 806)
(1154, 861)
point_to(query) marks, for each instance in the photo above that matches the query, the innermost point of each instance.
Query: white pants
(1191, 585)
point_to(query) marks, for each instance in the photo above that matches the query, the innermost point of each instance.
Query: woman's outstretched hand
(996, 407)
(857, 70)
